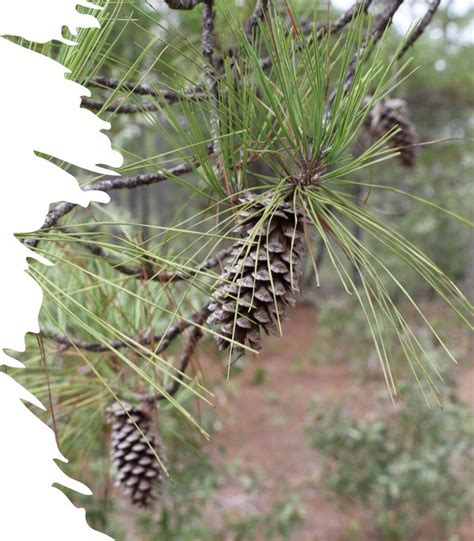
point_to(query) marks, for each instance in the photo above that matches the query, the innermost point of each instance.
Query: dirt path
(263, 428)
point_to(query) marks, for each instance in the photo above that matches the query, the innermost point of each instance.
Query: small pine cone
(259, 280)
(387, 114)
(137, 468)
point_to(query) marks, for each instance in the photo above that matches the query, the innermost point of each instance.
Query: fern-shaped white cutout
(40, 114)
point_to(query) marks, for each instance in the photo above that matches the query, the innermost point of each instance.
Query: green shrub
(409, 467)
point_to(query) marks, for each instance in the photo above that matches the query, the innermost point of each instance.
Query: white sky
(410, 11)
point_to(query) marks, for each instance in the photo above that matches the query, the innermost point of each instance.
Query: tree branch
(107, 185)
(261, 8)
(195, 334)
(140, 89)
(183, 4)
(119, 107)
(421, 27)
(330, 28)
(207, 42)
(194, 93)
(149, 273)
(163, 339)
(383, 21)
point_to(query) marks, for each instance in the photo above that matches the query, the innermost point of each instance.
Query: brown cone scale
(261, 277)
(133, 455)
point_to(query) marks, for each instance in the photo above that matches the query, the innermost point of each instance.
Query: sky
(411, 11)
(404, 17)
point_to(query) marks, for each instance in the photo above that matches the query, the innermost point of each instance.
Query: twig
(146, 179)
(383, 21)
(261, 8)
(52, 218)
(194, 93)
(207, 42)
(120, 107)
(421, 27)
(141, 89)
(135, 88)
(163, 339)
(107, 185)
(183, 4)
(195, 334)
(148, 273)
(330, 28)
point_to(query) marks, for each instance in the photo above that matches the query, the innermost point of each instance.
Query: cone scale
(133, 448)
(391, 113)
(260, 279)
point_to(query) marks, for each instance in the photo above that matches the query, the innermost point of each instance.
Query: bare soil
(263, 424)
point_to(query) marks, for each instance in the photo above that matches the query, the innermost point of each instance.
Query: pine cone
(137, 468)
(387, 114)
(260, 278)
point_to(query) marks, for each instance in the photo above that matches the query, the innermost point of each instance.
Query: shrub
(409, 467)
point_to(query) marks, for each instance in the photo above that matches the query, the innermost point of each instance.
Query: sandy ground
(263, 429)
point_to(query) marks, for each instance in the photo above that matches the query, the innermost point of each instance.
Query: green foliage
(408, 467)
(340, 317)
(287, 514)
(185, 514)
(259, 375)
(184, 503)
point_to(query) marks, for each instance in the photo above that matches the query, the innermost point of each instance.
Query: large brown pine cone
(133, 453)
(261, 277)
(387, 114)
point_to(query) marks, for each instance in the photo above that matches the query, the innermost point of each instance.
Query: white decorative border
(40, 113)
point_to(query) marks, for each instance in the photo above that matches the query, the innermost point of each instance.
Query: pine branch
(361, 6)
(140, 89)
(182, 4)
(148, 273)
(331, 28)
(259, 13)
(195, 335)
(108, 185)
(383, 21)
(163, 339)
(421, 27)
(207, 42)
(195, 93)
(146, 179)
(120, 107)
